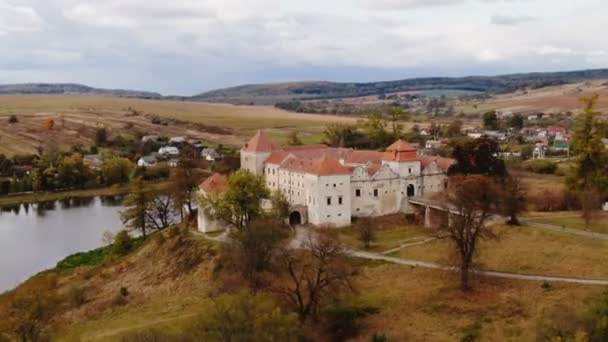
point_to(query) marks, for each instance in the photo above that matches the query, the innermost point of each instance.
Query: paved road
(555, 228)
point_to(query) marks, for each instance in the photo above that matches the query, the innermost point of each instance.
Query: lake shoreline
(58, 195)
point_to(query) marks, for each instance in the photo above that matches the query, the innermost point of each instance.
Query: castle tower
(402, 158)
(256, 151)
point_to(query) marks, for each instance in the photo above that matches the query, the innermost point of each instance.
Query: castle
(328, 186)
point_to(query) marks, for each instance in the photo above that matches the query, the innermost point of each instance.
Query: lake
(34, 237)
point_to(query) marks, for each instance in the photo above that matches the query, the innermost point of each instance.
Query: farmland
(77, 117)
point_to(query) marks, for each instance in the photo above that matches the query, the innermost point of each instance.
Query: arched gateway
(295, 218)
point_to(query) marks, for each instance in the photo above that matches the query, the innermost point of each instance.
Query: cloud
(511, 20)
(18, 18)
(410, 4)
(488, 55)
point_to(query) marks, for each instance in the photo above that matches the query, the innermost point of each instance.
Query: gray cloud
(511, 20)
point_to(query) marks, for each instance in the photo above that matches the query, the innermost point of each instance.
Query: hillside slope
(277, 92)
(73, 89)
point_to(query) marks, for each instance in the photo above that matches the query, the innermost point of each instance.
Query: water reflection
(33, 237)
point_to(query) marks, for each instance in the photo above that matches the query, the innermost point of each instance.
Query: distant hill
(279, 92)
(73, 89)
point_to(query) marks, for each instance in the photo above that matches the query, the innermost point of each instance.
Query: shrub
(342, 320)
(89, 258)
(541, 166)
(122, 243)
(471, 332)
(124, 291)
(377, 337)
(13, 119)
(77, 296)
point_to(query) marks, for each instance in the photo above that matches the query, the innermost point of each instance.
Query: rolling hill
(279, 92)
(72, 89)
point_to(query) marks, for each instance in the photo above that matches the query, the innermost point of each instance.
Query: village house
(328, 186)
(169, 150)
(211, 154)
(147, 161)
(93, 161)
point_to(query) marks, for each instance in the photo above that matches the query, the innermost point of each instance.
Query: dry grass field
(549, 99)
(527, 250)
(77, 117)
(426, 305)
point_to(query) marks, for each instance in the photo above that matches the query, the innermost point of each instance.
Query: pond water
(34, 237)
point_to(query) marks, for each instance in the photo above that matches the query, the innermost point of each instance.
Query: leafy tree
(454, 129)
(280, 206)
(395, 116)
(516, 121)
(136, 207)
(338, 135)
(245, 317)
(590, 170)
(254, 251)
(240, 203)
(315, 276)
(474, 198)
(117, 170)
(101, 136)
(490, 120)
(293, 139)
(72, 172)
(478, 156)
(374, 128)
(122, 244)
(513, 199)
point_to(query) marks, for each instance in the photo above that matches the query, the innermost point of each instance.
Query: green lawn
(573, 219)
(386, 238)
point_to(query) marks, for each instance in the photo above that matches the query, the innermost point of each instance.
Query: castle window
(409, 170)
(358, 192)
(334, 185)
(328, 200)
(340, 200)
(375, 192)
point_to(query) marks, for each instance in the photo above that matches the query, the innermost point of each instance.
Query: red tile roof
(327, 166)
(215, 183)
(260, 143)
(400, 151)
(443, 163)
(276, 157)
(363, 157)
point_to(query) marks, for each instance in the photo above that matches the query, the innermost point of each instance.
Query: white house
(169, 150)
(328, 186)
(147, 161)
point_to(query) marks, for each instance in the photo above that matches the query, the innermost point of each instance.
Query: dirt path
(554, 228)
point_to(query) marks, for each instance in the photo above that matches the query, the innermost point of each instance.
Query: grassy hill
(277, 92)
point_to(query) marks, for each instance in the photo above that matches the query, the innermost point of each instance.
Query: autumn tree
(473, 199)
(240, 203)
(513, 199)
(101, 136)
(185, 179)
(315, 276)
(395, 116)
(590, 168)
(136, 207)
(49, 124)
(116, 170)
(454, 129)
(72, 172)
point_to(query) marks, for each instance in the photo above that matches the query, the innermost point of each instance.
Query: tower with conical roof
(256, 151)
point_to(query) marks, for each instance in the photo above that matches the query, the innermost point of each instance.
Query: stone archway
(411, 190)
(295, 218)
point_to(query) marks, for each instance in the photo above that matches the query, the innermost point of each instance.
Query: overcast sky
(185, 47)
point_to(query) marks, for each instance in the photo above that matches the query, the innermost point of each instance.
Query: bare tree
(513, 199)
(367, 235)
(161, 212)
(590, 203)
(315, 276)
(185, 179)
(472, 199)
